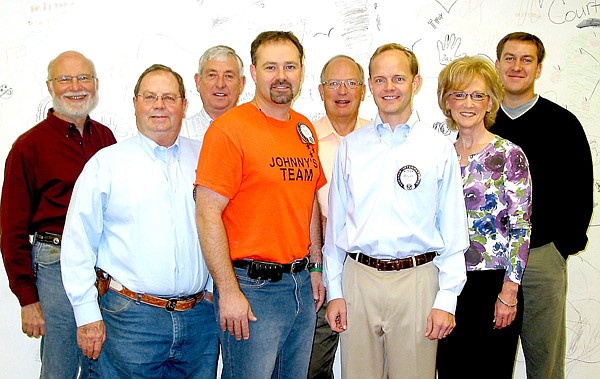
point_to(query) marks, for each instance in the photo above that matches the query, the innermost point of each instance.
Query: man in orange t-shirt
(258, 218)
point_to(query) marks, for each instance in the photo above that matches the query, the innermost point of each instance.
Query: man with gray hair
(220, 81)
(39, 176)
(342, 89)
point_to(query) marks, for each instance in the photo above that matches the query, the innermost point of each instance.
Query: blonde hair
(462, 71)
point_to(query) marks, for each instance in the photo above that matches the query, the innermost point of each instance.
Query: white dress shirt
(132, 214)
(370, 211)
(195, 127)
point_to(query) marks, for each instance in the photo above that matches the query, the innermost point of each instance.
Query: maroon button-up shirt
(40, 172)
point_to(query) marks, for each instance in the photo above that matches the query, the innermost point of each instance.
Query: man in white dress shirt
(342, 89)
(220, 81)
(131, 220)
(396, 232)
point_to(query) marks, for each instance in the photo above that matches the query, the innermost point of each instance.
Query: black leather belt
(393, 264)
(290, 268)
(52, 238)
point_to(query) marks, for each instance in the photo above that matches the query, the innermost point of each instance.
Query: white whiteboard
(125, 37)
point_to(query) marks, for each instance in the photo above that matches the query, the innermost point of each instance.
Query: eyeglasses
(335, 84)
(475, 96)
(67, 79)
(150, 98)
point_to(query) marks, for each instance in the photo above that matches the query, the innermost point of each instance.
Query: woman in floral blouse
(497, 190)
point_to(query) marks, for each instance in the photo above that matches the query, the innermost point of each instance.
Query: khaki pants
(544, 333)
(387, 319)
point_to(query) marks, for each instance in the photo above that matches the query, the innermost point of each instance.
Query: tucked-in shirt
(397, 194)
(329, 140)
(133, 215)
(497, 192)
(39, 175)
(195, 127)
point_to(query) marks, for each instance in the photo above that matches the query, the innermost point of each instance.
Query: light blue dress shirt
(132, 214)
(396, 194)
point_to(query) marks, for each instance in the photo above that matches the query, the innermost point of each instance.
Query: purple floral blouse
(497, 189)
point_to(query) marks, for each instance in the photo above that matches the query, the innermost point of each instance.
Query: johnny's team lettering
(295, 169)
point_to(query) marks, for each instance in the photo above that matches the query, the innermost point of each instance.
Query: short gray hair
(220, 53)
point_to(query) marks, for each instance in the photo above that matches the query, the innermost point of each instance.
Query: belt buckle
(381, 264)
(295, 263)
(171, 304)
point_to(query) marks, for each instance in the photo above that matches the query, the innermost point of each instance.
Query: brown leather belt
(52, 238)
(173, 304)
(393, 264)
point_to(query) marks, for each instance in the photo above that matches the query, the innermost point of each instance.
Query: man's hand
(318, 289)
(336, 315)
(32, 320)
(90, 338)
(439, 324)
(235, 312)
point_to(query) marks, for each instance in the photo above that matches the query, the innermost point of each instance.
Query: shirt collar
(205, 117)
(66, 125)
(325, 129)
(384, 128)
(155, 151)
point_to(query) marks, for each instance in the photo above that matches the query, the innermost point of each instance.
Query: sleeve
(81, 238)
(517, 191)
(220, 162)
(575, 210)
(333, 256)
(18, 204)
(452, 225)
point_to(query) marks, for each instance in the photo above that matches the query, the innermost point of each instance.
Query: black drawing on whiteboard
(5, 91)
(328, 34)
(448, 49)
(590, 22)
(442, 127)
(43, 108)
(447, 4)
(584, 51)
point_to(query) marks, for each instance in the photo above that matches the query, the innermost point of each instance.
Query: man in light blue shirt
(220, 81)
(396, 232)
(132, 218)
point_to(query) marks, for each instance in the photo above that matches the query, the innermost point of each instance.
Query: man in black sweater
(560, 163)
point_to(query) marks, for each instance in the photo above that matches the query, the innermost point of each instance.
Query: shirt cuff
(87, 313)
(446, 301)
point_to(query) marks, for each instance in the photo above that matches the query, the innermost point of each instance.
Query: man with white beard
(39, 176)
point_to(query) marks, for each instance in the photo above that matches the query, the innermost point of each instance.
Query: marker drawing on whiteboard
(5, 91)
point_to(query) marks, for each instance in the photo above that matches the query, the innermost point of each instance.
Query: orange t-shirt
(270, 176)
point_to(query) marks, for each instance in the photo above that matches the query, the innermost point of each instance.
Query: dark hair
(524, 37)
(275, 36)
(160, 67)
(412, 58)
(361, 72)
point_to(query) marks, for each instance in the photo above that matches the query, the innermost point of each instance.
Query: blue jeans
(60, 355)
(143, 341)
(281, 340)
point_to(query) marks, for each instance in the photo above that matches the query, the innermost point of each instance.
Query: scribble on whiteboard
(590, 22)
(448, 49)
(447, 4)
(442, 127)
(355, 18)
(43, 108)
(5, 92)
